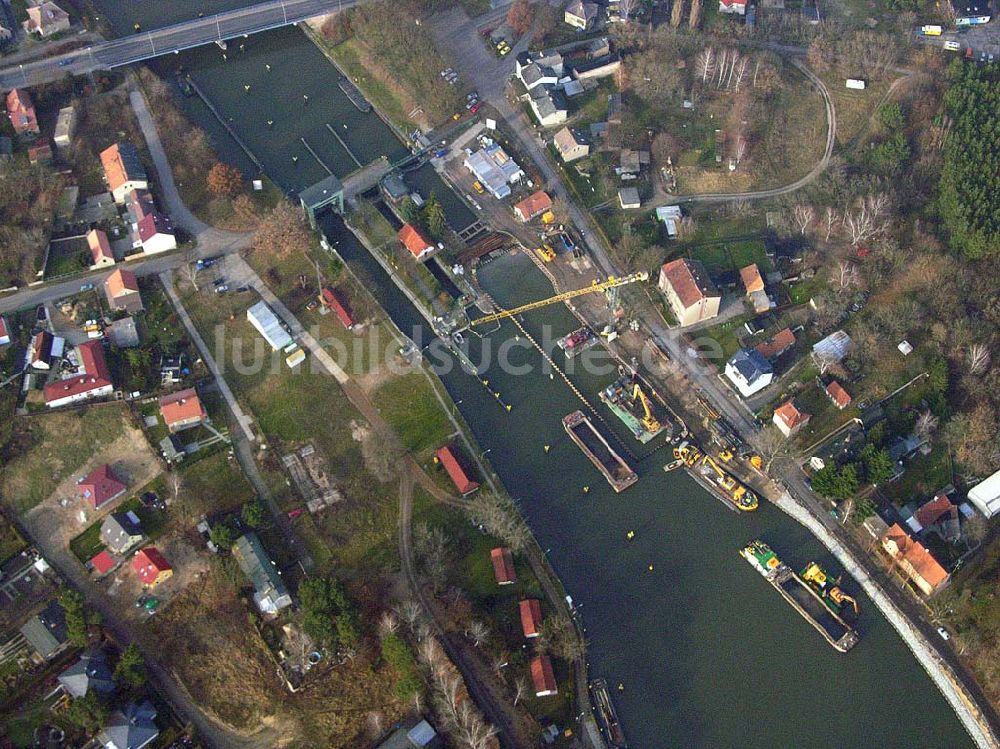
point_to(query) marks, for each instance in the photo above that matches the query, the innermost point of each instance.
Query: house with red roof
(332, 301)
(100, 249)
(534, 205)
(913, 559)
(689, 291)
(4, 333)
(101, 486)
(40, 351)
(21, 111)
(155, 233)
(151, 566)
(45, 18)
(789, 419)
(446, 456)
(940, 516)
(40, 152)
(733, 7)
(413, 240)
(777, 344)
(122, 291)
(503, 566)
(102, 563)
(123, 170)
(531, 617)
(182, 410)
(542, 677)
(94, 382)
(836, 393)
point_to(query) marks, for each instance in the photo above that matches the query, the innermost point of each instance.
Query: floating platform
(618, 397)
(719, 482)
(354, 94)
(577, 342)
(801, 596)
(594, 446)
(607, 718)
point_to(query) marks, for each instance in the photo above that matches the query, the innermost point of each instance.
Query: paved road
(144, 45)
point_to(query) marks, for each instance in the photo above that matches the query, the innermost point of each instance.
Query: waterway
(708, 653)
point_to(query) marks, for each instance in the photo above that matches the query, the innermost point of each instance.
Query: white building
(65, 124)
(494, 169)
(749, 372)
(269, 326)
(985, 496)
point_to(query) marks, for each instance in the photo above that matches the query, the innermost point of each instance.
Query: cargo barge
(802, 596)
(607, 718)
(629, 403)
(706, 471)
(354, 94)
(577, 342)
(595, 447)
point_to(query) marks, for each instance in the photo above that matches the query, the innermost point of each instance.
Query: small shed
(332, 301)
(446, 456)
(628, 197)
(503, 566)
(542, 677)
(531, 617)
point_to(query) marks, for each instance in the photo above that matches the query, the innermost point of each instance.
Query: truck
(931, 30)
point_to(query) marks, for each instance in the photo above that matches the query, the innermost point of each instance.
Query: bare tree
(175, 481)
(695, 18)
(739, 153)
(866, 219)
(496, 515)
(387, 623)
(847, 274)
(431, 549)
(803, 215)
(974, 530)
(927, 424)
(741, 71)
(977, 359)
(705, 63)
(559, 637)
(410, 612)
(771, 444)
(830, 220)
(520, 689)
(677, 13)
(477, 632)
(625, 8)
(376, 723)
(382, 453)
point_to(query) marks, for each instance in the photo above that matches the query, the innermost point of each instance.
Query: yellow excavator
(816, 575)
(649, 421)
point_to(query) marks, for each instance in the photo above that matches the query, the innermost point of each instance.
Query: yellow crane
(611, 283)
(649, 421)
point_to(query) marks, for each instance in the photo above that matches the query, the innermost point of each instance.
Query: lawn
(67, 257)
(731, 256)
(11, 542)
(53, 446)
(924, 475)
(726, 335)
(408, 404)
(213, 486)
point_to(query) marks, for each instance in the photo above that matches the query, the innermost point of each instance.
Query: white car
(944, 633)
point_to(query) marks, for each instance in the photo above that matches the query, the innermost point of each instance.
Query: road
(144, 45)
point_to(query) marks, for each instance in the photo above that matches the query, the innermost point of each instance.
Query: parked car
(87, 287)
(476, 107)
(944, 633)
(219, 281)
(221, 289)
(242, 288)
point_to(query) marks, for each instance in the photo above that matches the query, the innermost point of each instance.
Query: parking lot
(983, 40)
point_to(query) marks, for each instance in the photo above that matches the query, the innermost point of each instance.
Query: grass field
(409, 406)
(53, 447)
(724, 257)
(348, 56)
(11, 542)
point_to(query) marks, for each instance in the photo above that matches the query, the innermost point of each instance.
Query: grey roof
(267, 324)
(322, 193)
(834, 347)
(90, 672)
(46, 632)
(415, 733)
(134, 169)
(124, 333)
(750, 364)
(628, 196)
(270, 592)
(120, 530)
(394, 186)
(131, 728)
(531, 74)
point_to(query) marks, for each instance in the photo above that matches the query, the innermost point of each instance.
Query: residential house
(120, 531)
(777, 344)
(139, 204)
(90, 672)
(100, 249)
(733, 7)
(832, 349)
(102, 562)
(40, 152)
(122, 291)
(531, 617)
(631, 161)
(151, 566)
(549, 106)
(182, 410)
(155, 233)
(836, 393)
(46, 632)
(131, 728)
(45, 19)
(494, 169)
(670, 216)
(689, 291)
(534, 75)
(447, 457)
(123, 333)
(123, 170)
(939, 515)
(910, 556)
(65, 125)
(749, 372)
(415, 733)
(93, 382)
(269, 591)
(414, 240)
(101, 486)
(4, 332)
(753, 283)
(394, 188)
(22, 112)
(581, 15)
(40, 351)
(534, 205)
(539, 68)
(542, 677)
(503, 566)
(985, 496)
(269, 326)
(628, 197)
(571, 145)
(789, 419)
(333, 302)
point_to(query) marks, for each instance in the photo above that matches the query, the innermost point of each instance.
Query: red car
(475, 107)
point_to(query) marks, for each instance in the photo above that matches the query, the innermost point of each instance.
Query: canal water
(708, 654)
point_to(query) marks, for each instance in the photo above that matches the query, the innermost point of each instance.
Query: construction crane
(649, 421)
(611, 283)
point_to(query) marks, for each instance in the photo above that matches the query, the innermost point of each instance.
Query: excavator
(817, 576)
(649, 421)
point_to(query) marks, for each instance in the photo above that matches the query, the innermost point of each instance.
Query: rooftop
(689, 280)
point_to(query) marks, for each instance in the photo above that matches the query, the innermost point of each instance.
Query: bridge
(143, 45)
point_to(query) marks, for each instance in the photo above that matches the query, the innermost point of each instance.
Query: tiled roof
(122, 164)
(840, 397)
(503, 565)
(462, 482)
(919, 559)
(148, 563)
(101, 485)
(531, 617)
(414, 240)
(689, 280)
(751, 278)
(96, 374)
(790, 415)
(534, 204)
(100, 247)
(779, 343)
(542, 677)
(121, 282)
(181, 406)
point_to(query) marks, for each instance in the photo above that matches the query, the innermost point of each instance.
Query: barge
(577, 342)
(707, 472)
(801, 595)
(594, 446)
(607, 718)
(629, 403)
(354, 94)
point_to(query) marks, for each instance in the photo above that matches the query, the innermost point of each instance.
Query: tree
(282, 232)
(76, 616)
(477, 632)
(771, 444)
(130, 672)
(520, 16)
(866, 218)
(245, 211)
(677, 13)
(558, 637)
(254, 513)
(831, 481)
(327, 614)
(803, 216)
(830, 220)
(498, 517)
(926, 425)
(878, 465)
(434, 217)
(224, 181)
(625, 9)
(222, 536)
(88, 713)
(430, 547)
(694, 19)
(977, 359)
